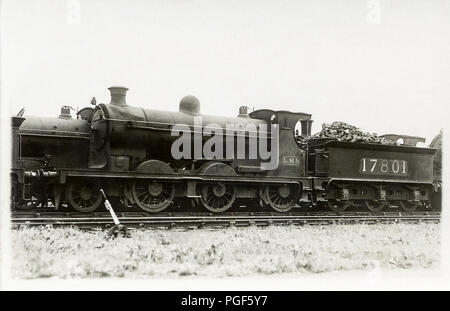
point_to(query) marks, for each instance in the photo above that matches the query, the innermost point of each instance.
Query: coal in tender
(344, 132)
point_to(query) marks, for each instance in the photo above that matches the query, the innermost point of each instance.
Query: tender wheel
(338, 206)
(83, 196)
(153, 196)
(218, 197)
(281, 197)
(409, 206)
(375, 207)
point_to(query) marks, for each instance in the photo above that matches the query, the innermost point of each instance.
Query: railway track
(170, 220)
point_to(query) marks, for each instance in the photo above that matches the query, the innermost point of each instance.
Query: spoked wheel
(409, 206)
(375, 207)
(83, 196)
(338, 206)
(218, 197)
(153, 196)
(281, 197)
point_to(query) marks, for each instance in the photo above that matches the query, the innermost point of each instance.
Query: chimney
(118, 94)
(243, 112)
(65, 113)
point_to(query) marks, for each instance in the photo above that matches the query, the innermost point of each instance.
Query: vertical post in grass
(118, 228)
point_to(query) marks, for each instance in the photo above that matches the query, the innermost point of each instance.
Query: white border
(366, 280)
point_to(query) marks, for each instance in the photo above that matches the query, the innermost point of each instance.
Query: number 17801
(383, 166)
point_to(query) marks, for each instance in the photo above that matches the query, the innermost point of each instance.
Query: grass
(68, 252)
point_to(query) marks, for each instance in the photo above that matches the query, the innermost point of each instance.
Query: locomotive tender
(128, 152)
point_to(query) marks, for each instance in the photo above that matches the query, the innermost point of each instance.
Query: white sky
(321, 57)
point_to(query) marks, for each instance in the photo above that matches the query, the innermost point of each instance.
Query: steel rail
(224, 220)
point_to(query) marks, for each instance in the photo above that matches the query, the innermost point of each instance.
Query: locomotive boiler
(135, 155)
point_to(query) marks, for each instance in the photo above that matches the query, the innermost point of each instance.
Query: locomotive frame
(124, 151)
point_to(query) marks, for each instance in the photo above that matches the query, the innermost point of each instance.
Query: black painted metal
(108, 145)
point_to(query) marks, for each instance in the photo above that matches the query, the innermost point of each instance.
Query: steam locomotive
(128, 152)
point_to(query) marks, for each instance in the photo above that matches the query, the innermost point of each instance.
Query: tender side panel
(382, 165)
(64, 152)
(372, 162)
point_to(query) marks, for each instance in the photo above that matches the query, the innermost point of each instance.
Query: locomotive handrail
(200, 132)
(50, 133)
(129, 123)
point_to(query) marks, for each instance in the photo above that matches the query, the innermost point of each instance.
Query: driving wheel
(217, 197)
(153, 196)
(83, 196)
(281, 198)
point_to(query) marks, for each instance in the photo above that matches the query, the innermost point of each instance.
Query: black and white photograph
(179, 145)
